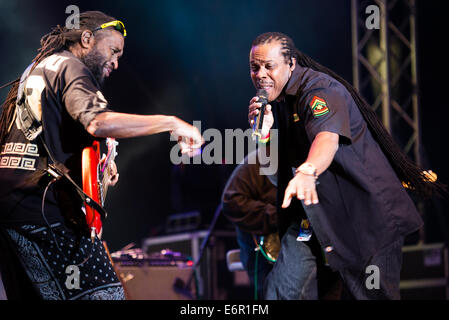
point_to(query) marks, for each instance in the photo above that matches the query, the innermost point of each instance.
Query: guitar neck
(106, 169)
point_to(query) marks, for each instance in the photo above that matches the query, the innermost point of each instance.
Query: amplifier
(424, 273)
(153, 282)
(153, 276)
(214, 281)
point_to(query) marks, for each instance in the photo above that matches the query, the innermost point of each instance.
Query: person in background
(249, 202)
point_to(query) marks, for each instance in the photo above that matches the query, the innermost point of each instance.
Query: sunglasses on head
(118, 25)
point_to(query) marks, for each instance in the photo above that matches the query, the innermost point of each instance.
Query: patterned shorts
(63, 266)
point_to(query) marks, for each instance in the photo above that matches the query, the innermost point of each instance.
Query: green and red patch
(319, 106)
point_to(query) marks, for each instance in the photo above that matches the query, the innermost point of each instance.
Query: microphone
(258, 119)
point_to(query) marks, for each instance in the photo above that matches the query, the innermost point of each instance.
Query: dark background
(190, 59)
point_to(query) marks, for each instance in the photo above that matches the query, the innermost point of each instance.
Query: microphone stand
(179, 285)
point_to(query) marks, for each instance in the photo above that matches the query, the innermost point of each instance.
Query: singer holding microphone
(342, 210)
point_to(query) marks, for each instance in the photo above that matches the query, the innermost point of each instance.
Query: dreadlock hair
(406, 170)
(60, 38)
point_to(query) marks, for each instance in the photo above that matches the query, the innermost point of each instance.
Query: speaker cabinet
(214, 280)
(154, 282)
(425, 272)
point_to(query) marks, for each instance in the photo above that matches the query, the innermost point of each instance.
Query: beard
(95, 62)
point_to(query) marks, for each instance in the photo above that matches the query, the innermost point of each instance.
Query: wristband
(265, 139)
(307, 169)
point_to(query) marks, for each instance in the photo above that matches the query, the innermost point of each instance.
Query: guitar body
(96, 174)
(91, 184)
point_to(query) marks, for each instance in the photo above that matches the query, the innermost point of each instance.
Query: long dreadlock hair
(60, 38)
(405, 169)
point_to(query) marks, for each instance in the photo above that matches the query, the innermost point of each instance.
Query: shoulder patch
(318, 106)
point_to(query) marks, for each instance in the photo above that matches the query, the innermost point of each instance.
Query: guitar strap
(32, 129)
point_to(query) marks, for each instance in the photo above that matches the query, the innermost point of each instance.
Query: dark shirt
(362, 204)
(62, 92)
(249, 199)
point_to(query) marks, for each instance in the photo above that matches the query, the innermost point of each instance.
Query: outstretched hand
(189, 138)
(303, 187)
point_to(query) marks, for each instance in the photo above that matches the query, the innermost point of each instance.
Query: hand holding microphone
(260, 116)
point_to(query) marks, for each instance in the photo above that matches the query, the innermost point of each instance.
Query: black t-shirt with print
(65, 95)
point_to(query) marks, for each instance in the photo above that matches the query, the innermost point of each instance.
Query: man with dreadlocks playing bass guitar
(50, 115)
(340, 197)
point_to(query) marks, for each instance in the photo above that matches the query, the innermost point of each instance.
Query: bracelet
(307, 169)
(265, 139)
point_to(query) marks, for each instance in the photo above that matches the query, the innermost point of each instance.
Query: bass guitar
(96, 174)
